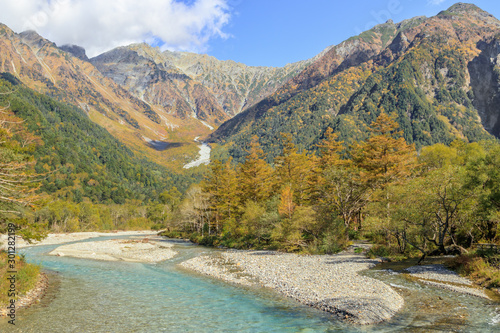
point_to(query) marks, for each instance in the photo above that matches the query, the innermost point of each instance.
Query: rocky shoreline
(327, 282)
(31, 297)
(441, 277)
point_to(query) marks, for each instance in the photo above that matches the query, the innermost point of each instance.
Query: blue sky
(254, 32)
(277, 32)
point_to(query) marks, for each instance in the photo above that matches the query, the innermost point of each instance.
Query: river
(204, 155)
(98, 296)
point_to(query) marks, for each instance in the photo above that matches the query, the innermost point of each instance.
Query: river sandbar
(142, 250)
(53, 239)
(326, 282)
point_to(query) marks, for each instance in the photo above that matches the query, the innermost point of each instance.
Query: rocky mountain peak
(117, 55)
(461, 7)
(75, 50)
(33, 39)
(5, 29)
(145, 50)
(469, 10)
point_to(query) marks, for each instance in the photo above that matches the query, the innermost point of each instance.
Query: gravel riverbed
(141, 250)
(53, 239)
(327, 282)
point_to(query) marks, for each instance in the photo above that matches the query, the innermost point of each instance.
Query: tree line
(442, 198)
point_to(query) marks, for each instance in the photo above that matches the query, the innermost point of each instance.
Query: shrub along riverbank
(483, 267)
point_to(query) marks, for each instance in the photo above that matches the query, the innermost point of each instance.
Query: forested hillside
(79, 159)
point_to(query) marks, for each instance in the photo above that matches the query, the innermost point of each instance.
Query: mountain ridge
(140, 94)
(418, 69)
(47, 69)
(229, 87)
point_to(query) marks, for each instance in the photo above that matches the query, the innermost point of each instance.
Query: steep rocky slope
(159, 83)
(438, 75)
(485, 83)
(192, 85)
(44, 67)
(235, 86)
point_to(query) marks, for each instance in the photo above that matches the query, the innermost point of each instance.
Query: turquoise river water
(98, 296)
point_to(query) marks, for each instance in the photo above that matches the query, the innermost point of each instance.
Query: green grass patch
(483, 270)
(26, 277)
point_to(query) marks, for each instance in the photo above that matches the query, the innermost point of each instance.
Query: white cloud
(99, 25)
(435, 2)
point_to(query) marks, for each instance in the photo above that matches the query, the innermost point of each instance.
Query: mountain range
(139, 94)
(439, 76)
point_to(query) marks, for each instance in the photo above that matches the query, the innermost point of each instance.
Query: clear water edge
(99, 296)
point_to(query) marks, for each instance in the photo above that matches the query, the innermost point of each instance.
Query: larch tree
(330, 149)
(286, 207)
(385, 157)
(221, 185)
(294, 170)
(256, 181)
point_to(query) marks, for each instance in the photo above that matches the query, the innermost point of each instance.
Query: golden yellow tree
(286, 206)
(256, 181)
(385, 157)
(295, 171)
(330, 149)
(221, 185)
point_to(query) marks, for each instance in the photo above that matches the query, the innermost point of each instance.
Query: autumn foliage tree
(287, 206)
(222, 186)
(256, 181)
(385, 157)
(295, 170)
(330, 149)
